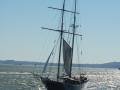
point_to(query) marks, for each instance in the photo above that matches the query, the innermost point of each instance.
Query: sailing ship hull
(73, 87)
(54, 85)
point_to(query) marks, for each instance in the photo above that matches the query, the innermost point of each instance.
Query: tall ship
(66, 80)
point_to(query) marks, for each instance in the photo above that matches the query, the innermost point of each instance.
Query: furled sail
(67, 56)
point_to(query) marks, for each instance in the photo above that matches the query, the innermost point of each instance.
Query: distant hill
(105, 65)
(13, 62)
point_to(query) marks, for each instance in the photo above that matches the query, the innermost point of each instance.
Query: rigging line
(69, 25)
(47, 61)
(68, 38)
(78, 52)
(45, 42)
(51, 54)
(59, 22)
(54, 52)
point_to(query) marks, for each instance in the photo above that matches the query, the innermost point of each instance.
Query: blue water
(13, 77)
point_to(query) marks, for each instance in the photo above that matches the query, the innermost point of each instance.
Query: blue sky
(22, 39)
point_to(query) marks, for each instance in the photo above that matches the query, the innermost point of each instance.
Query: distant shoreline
(104, 65)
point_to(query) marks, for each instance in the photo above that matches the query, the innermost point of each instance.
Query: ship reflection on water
(99, 79)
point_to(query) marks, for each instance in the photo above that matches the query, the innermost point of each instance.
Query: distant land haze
(104, 65)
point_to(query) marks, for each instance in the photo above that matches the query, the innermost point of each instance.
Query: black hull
(54, 85)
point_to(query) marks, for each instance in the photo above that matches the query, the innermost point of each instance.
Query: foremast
(61, 36)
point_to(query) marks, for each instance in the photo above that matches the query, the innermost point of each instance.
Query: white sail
(67, 56)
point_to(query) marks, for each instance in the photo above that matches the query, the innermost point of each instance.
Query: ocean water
(14, 77)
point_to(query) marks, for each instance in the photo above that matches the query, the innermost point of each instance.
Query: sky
(21, 37)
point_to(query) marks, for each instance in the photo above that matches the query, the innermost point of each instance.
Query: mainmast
(61, 36)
